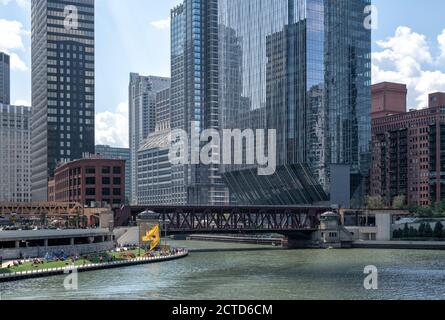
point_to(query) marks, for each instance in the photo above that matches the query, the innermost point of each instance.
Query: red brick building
(408, 147)
(388, 98)
(90, 181)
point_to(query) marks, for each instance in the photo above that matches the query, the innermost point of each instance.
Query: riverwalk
(14, 276)
(419, 245)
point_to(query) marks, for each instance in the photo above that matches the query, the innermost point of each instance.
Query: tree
(439, 209)
(412, 232)
(399, 202)
(405, 232)
(375, 202)
(438, 230)
(428, 231)
(425, 212)
(397, 234)
(421, 231)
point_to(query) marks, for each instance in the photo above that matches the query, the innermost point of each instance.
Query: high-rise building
(5, 90)
(387, 99)
(142, 116)
(408, 151)
(177, 95)
(301, 67)
(62, 86)
(155, 179)
(114, 153)
(195, 94)
(15, 160)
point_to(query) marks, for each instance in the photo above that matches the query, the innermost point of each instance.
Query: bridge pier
(303, 240)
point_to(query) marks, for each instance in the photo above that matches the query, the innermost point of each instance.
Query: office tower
(195, 93)
(407, 150)
(303, 68)
(113, 153)
(15, 161)
(62, 86)
(5, 90)
(142, 117)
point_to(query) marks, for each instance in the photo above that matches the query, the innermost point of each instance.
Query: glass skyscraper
(62, 86)
(301, 67)
(194, 95)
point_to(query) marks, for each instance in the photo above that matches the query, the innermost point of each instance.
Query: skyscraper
(62, 86)
(15, 164)
(4, 78)
(195, 94)
(304, 70)
(142, 116)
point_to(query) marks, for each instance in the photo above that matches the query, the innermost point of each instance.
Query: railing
(87, 267)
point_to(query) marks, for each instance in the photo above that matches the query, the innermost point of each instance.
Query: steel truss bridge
(284, 220)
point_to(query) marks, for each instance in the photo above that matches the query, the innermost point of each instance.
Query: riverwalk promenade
(14, 276)
(415, 245)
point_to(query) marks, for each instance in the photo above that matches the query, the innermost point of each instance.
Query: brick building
(90, 182)
(408, 147)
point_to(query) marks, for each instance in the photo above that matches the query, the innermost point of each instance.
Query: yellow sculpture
(153, 236)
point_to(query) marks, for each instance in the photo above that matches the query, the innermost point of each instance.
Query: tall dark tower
(4, 78)
(62, 86)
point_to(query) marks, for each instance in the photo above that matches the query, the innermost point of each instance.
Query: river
(269, 274)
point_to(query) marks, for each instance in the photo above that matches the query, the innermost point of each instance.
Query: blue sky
(133, 36)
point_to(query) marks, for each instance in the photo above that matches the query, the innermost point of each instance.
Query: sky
(134, 36)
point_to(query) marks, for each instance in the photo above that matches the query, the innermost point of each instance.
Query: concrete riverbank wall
(6, 277)
(79, 249)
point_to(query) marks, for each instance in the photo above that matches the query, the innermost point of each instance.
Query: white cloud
(112, 127)
(406, 58)
(161, 24)
(11, 40)
(441, 41)
(17, 64)
(10, 35)
(25, 4)
(22, 103)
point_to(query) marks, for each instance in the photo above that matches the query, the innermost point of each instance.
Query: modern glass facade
(5, 89)
(195, 94)
(113, 153)
(291, 184)
(177, 96)
(62, 86)
(301, 67)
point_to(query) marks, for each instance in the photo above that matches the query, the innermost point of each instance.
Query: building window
(90, 180)
(106, 180)
(90, 191)
(106, 191)
(116, 181)
(116, 170)
(106, 170)
(90, 170)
